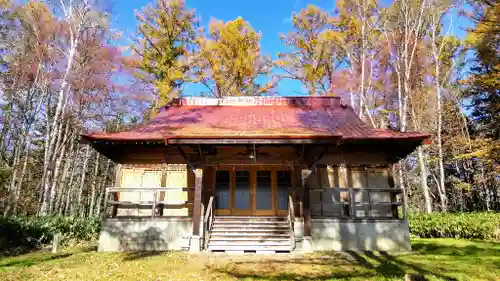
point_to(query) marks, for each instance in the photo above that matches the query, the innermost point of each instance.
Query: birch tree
(404, 25)
(75, 18)
(358, 22)
(27, 87)
(443, 47)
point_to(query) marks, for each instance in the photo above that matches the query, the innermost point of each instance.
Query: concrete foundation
(160, 234)
(164, 234)
(362, 235)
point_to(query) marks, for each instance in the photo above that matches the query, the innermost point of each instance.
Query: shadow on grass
(334, 265)
(480, 248)
(299, 268)
(21, 251)
(288, 276)
(131, 256)
(37, 257)
(27, 262)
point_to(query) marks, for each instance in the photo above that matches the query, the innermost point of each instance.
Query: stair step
(249, 243)
(240, 219)
(251, 217)
(242, 226)
(250, 238)
(254, 235)
(250, 223)
(250, 231)
(248, 248)
(263, 223)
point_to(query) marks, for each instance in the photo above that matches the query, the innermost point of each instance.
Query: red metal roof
(255, 117)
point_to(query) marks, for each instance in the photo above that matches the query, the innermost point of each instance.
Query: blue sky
(270, 17)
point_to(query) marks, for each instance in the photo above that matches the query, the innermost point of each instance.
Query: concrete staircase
(250, 234)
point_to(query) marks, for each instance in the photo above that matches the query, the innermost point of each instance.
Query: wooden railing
(291, 220)
(345, 203)
(208, 221)
(154, 203)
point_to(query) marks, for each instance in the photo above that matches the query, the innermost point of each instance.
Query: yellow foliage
(230, 57)
(166, 31)
(486, 149)
(5, 4)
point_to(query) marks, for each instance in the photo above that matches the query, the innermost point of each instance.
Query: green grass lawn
(437, 259)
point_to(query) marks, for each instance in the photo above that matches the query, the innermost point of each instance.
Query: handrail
(136, 189)
(291, 220)
(208, 222)
(361, 189)
(154, 202)
(209, 209)
(349, 203)
(150, 202)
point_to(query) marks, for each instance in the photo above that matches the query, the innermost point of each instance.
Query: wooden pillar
(197, 201)
(306, 202)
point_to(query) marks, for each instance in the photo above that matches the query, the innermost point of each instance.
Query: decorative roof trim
(258, 101)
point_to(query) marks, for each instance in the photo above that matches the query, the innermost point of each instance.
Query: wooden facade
(291, 160)
(326, 188)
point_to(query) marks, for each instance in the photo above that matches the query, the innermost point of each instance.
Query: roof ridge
(307, 101)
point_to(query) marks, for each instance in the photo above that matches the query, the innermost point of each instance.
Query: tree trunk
(69, 194)
(361, 11)
(64, 184)
(62, 99)
(102, 188)
(7, 111)
(402, 183)
(100, 200)
(442, 193)
(60, 153)
(21, 178)
(94, 185)
(46, 173)
(423, 178)
(12, 187)
(79, 207)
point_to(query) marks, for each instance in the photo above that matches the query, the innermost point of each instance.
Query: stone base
(307, 244)
(195, 244)
(159, 234)
(360, 235)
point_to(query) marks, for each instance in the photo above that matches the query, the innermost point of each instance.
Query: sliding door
(223, 192)
(251, 191)
(242, 193)
(264, 195)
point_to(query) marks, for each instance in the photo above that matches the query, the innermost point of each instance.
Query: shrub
(27, 233)
(32, 232)
(484, 225)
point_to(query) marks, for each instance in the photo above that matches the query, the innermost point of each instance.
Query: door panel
(241, 198)
(250, 191)
(222, 192)
(264, 193)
